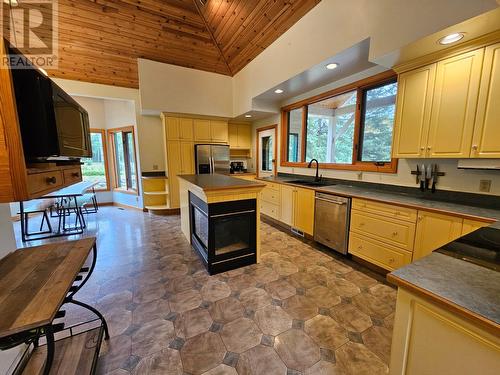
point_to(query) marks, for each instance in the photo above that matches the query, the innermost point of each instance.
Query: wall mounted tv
(53, 125)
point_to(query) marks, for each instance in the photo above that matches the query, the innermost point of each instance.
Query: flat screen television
(53, 125)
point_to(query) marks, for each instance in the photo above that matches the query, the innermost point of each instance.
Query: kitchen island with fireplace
(220, 217)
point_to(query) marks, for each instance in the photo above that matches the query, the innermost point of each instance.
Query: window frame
(105, 155)
(357, 165)
(111, 139)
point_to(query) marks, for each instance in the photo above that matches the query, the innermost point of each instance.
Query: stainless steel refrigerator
(211, 159)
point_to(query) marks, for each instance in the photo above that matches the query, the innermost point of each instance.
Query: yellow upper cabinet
(240, 136)
(486, 140)
(172, 128)
(454, 105)
(186, 129)
(201, 130)
(187, 157)
(413, 112)
(218, 131)
(435, 230)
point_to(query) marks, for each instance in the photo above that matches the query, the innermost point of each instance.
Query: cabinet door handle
(51, 180)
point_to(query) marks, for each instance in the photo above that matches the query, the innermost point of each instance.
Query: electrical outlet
(155, 167)
(485, 186)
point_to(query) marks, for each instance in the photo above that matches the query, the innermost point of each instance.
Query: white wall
(454, 180)
(170, 88)
(335, 25)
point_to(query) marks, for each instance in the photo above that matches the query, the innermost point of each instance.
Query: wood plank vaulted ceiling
(100, 40)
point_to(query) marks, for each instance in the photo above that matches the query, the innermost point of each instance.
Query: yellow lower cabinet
(270, 209)
(378, 253)
(435, 230)
(304, 210)
(287, 204)
(391, 231)
(428, 339)
(470, 226)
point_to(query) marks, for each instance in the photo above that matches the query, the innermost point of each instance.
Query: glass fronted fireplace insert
(223, 234)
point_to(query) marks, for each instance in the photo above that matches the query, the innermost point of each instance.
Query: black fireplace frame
(213, 211)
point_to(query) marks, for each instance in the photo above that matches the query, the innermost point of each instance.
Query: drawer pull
(391, 260)
(361, 224)
(394, 234)
(360, 247)
(51, 180)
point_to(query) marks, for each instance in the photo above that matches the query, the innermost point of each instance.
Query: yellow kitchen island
(220, 217)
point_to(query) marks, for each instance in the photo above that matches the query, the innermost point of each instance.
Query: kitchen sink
(310, 183)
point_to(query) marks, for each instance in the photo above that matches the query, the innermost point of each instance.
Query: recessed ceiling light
(332, 66)
(248, 116)
(452, 38)
(278, 91)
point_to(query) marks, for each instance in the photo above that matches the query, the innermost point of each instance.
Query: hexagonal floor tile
(226, 310)
(215, 290)
(260, 360)
(273, 320)
(297, 349)
(323, 296)
(152, 337)
(343, 287)
(222, 369)
(193, 322)
(150, 311)
(372, 305)
(255, 298)
(326, 332)
(285, 268)
(356, 359)
(300, 307)
(378, 340)
(304, 280)
(360, 279)
(350, 317)
(184, 301)
(280, 289)
(164, 362)
(322, 368)
(202, 353)
(241, 334)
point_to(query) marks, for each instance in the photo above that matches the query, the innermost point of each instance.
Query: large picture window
(347, 128)
(95, 169)
(122, 143)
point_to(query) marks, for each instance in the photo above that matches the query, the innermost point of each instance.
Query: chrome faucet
(316, 178)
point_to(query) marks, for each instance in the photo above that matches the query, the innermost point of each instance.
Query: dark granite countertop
(211, 182)
(403, 199)
(441, 277)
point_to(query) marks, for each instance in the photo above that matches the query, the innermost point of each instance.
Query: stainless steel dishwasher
(331, 221)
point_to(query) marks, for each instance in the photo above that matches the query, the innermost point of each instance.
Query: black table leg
(69, 298)
(49, 335)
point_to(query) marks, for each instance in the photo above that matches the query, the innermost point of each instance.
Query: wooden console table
(34, 283)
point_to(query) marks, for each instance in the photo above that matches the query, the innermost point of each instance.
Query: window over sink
(347, 128)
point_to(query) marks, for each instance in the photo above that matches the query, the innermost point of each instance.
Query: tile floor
(300, 311)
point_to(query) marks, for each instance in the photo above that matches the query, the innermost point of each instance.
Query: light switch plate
(485, 186)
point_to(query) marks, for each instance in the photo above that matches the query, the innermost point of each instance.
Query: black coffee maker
(237, 167)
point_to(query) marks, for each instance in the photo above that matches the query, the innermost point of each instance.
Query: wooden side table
(34, 283)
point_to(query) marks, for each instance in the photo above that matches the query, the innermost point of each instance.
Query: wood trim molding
(13, 173)
(105, 155)
(363, 83)
(360, 166)
(257, 131)
(110, 132)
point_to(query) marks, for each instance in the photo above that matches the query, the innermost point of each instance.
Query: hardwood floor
(301, 311)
